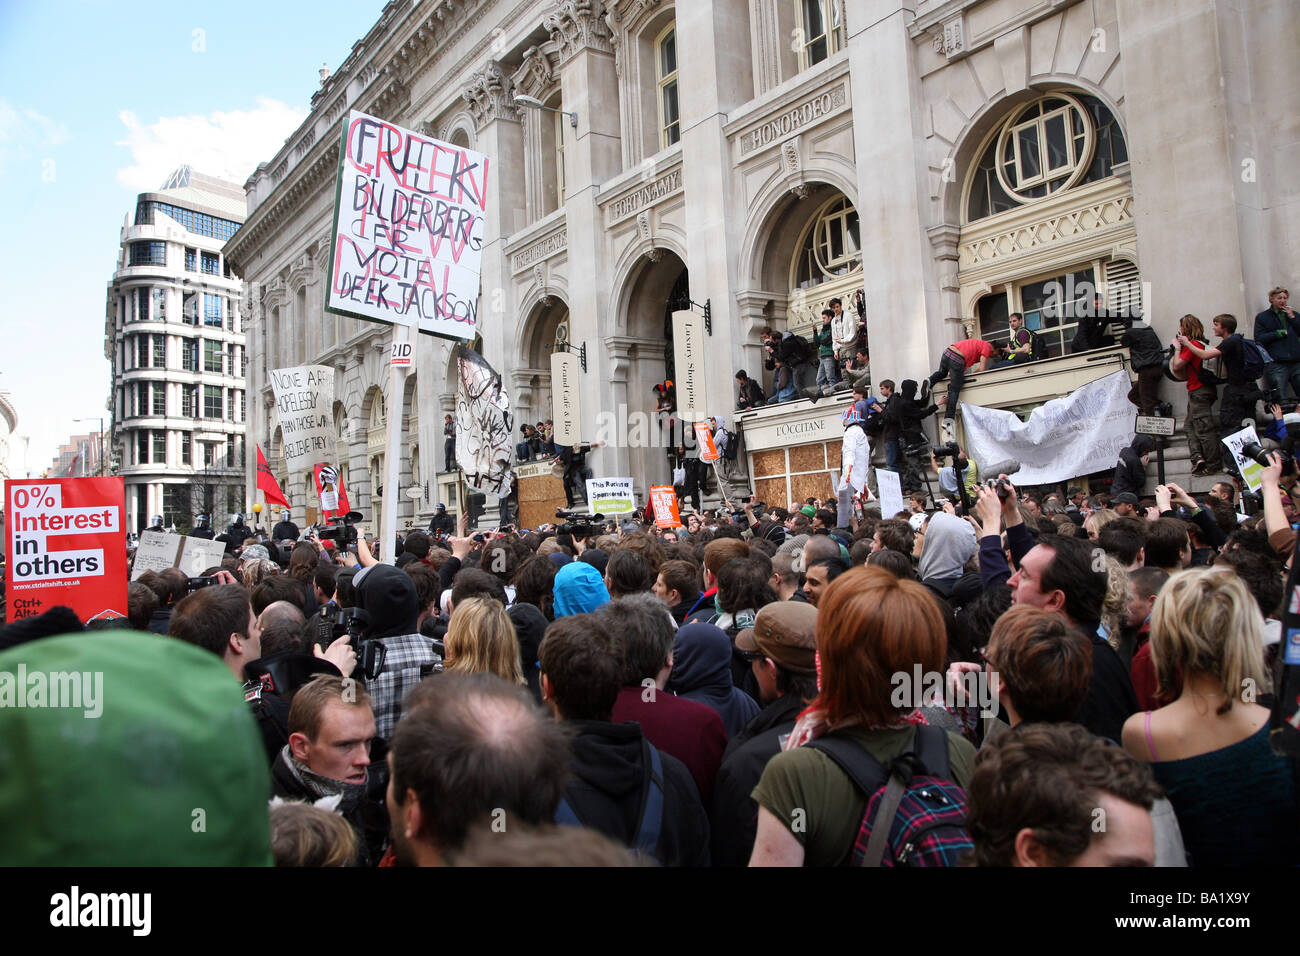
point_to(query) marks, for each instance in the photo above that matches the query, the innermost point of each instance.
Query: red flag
(329, 487)
(266, 482)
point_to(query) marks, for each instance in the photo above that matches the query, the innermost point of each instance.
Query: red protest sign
(664, 502)
(65, 538)
(708, 450)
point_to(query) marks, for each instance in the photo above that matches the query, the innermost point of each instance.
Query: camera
(1001, 486)
(949, 450)
(578, 525)
(758, 507)
(343, 534)
(335, 621)
(194, 584)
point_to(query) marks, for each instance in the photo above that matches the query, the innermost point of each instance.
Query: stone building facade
(942, 163)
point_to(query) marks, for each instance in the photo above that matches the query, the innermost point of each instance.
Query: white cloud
(227, 144)
(25, 132)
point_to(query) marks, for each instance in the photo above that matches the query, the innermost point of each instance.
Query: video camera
(758, 507)
(949, 450)
(1258, 453)
(335, 621)
(343, 534)
(579, 525)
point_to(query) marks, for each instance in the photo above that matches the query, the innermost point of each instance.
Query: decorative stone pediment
(579, 25)
(537, 74)
(490, 96)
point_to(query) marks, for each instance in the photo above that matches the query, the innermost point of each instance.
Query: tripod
(915, 471)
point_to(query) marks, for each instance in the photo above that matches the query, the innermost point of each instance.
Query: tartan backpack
(926, 810)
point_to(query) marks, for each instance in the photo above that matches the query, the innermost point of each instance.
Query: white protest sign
(891, 493)
(159, 550)
(304, 401)
(408, 229)
(156, 551)
(610, 496)
(1249, 468)
(1078, 434)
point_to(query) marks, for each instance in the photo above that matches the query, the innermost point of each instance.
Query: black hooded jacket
(530, 627)
(907, 412)
(609, 779)
(1130, 473)
(735, 813)
(702, 673)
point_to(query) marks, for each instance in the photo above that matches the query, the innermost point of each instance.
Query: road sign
(1151, 425)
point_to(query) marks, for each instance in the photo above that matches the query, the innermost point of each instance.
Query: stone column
(907, 319)
(714, 53)
(589, 87)
(490, 101)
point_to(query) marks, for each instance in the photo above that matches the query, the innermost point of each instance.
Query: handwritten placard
(408, 229)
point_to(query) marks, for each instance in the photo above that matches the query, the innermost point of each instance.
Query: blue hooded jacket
(578, 589)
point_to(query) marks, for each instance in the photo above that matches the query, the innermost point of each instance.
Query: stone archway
(546, 328)
(641, 359)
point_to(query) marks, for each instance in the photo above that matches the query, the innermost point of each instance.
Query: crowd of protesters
(747, 689)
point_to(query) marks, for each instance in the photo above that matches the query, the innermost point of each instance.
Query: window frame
(832, 26)
(662, 85)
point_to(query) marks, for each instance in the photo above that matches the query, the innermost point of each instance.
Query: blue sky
(98, 102)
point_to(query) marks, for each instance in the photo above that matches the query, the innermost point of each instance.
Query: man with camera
(795, 354)
(391, 606)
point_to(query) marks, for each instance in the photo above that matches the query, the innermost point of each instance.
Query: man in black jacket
(797, 355)
(1147, 356)
(1277, 329)
(285, 530)
(331, 731)
(1062, 574)
(781, 647)
(1131, 469)
(614, 786)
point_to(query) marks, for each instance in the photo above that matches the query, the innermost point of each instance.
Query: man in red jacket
(956, 359)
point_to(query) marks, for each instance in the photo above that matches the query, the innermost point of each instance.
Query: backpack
(799, 350)
(651, 815)
(1254, 357)
(926, 810)
(1037, 350)
(730, 447)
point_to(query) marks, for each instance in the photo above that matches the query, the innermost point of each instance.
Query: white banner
(610, 496)
(408, 229)
(1079, 434)
(1249, 468)
(891, 493)
(304, 401)
(565, 413)
(159, 551)
(688, 365)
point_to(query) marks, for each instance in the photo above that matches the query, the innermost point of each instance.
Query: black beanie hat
(388, 596)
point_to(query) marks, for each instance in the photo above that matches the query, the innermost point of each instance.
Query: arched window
(831, 247)
(1044, 148)
(670, 127)
(821, 31)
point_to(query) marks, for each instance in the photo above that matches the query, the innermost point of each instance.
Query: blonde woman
(1209, 749)
(481, 640)
(1112, 608)
(1098, 520)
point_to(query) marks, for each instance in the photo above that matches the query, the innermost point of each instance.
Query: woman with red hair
(875, 634)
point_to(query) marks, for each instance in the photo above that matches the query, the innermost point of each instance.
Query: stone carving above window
(577, 25)
(490, 96)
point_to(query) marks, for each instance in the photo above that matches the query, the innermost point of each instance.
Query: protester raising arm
(994, 569)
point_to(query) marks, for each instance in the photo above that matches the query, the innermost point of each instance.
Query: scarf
(350, 794)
